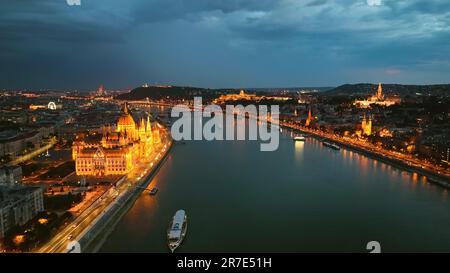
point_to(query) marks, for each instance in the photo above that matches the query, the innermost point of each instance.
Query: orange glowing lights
(19, 239)
(43, 221)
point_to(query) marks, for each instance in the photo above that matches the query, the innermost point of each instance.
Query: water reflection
(337, 201)
(444, 195)
(299, 149)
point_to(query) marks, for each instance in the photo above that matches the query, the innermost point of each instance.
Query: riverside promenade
(439, 177)
(98, 217)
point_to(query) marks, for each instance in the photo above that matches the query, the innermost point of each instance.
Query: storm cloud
(222, 43)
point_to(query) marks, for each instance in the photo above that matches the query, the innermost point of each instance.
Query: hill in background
(175, 92)
(398, 89)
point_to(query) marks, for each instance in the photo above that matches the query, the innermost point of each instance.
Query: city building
(377, 99)
(13, 116)
(18, 205)
(118, 150)
(101, 91)
(10, 175)
(15, 143)
(236, 97)
(50, 106)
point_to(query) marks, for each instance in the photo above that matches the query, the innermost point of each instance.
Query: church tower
(142, 130)
(363, 123)
(309, 118)
(380, 95)
(366, 126)
(149, 127)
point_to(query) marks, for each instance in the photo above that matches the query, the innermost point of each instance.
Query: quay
(433, 177)
(94, 237)
(91, 228)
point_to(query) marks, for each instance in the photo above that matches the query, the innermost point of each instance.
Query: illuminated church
(366, 127)
(378, 99)
(309, 118)
(118, 150)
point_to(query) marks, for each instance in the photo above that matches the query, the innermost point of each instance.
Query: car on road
(70, 237)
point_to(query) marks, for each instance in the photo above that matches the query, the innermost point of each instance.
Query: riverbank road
(78, 228)
(408, 160)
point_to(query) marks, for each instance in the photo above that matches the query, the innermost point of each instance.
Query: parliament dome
(126, 119)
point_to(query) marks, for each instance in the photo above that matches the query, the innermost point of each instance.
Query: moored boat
(299, 138)
(331, 145)
(153, 191)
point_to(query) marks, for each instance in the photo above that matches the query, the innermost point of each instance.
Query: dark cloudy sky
(222, 43)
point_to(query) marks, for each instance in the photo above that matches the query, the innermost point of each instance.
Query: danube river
(304, 197)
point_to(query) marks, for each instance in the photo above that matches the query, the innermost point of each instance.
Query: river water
(304, 197)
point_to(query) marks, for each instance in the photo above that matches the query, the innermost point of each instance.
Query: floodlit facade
(236, 97)
(118, 150)
(366, 126)
(377, 99)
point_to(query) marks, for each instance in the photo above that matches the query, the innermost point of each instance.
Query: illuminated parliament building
(118, 150)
